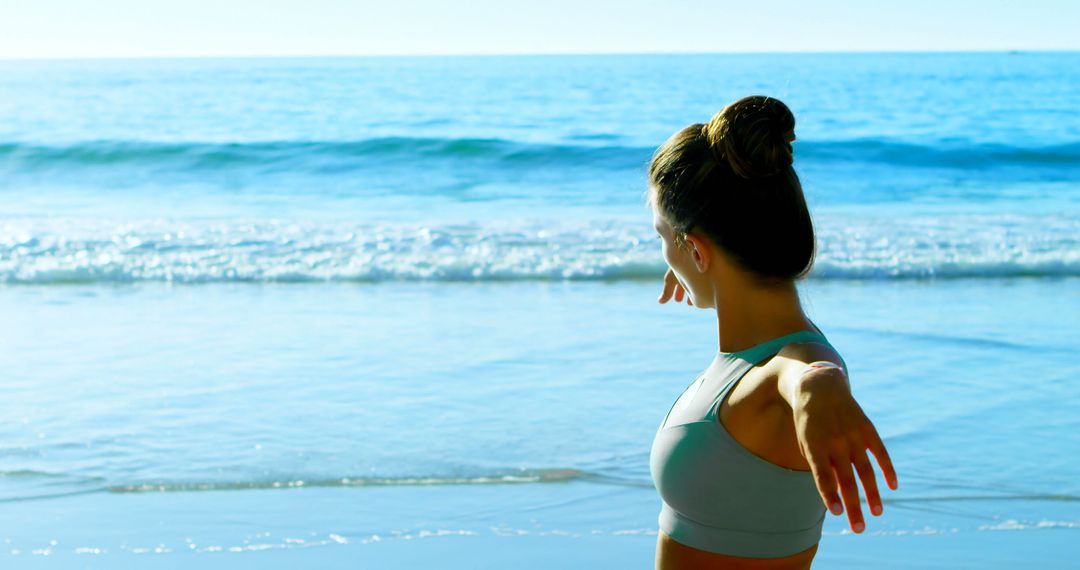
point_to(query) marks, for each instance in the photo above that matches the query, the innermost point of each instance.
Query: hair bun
(753, 135)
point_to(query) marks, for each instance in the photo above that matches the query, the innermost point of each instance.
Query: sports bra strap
(758, 352)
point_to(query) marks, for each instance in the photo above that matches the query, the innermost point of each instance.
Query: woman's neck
(753, 315)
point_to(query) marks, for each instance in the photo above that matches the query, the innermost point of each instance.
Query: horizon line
(1016, 51)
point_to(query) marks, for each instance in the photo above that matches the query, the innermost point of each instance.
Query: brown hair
(732, 179)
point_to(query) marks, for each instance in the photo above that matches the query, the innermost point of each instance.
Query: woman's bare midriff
(672, 555)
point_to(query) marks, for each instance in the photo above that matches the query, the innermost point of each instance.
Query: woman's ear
(699, 252)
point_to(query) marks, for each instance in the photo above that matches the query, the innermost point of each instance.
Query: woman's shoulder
(809, 351)
(796, 356)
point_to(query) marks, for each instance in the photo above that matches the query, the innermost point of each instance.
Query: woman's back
(718, 496)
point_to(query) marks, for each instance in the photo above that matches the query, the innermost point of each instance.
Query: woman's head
(731, 181)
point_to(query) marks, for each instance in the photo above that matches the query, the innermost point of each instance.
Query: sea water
(274, 311)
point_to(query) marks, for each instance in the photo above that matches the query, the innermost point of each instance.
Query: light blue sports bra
(717, 495)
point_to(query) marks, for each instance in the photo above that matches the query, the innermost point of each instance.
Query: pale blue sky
(141, 28)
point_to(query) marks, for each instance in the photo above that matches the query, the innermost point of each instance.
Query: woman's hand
(672, 285)
(834, 434)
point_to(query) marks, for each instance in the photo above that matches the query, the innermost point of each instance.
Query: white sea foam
(56, 251)
(1014, 524)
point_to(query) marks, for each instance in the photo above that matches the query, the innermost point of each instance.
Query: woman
(753, 451)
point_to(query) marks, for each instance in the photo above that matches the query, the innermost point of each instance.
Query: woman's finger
(873, 441)
(850, 492)
(672, 287)
(826, 484)
(669, 286)
(682, 291)
(869, 481)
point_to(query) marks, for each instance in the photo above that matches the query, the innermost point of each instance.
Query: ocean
(393, 311)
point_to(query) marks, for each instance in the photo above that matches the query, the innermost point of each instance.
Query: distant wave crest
(313, 156)
(61, 251)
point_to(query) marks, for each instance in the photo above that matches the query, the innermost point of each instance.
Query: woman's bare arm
(834, 433)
